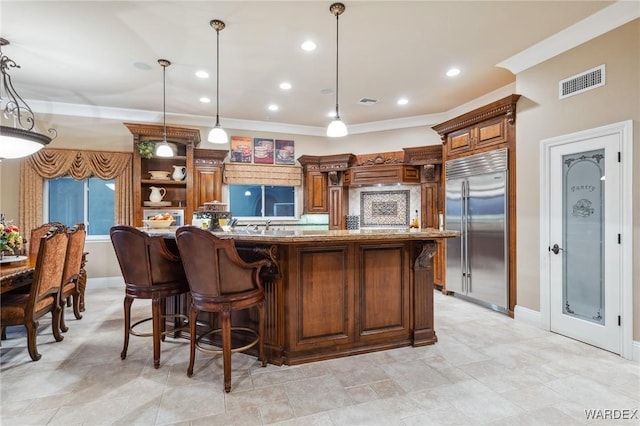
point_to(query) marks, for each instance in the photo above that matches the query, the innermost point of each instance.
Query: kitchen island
(338, 293)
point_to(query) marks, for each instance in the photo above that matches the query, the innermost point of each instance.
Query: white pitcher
(179, 172)
(157, 194)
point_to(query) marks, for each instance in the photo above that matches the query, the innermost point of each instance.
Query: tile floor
(485, 369)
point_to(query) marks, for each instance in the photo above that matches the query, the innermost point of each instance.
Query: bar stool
(221, 282)
(150, 271)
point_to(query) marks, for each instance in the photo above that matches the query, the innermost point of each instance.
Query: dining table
(16, 273)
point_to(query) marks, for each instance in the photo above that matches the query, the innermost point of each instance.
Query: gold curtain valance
(247, 174)
(52, 163)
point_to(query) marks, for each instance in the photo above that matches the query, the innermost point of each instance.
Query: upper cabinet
(483, 129)
(169, 179)
(208, 176)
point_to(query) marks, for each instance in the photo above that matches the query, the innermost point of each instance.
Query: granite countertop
(297, 236)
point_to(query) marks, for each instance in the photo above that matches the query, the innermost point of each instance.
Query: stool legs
(261, 321)
(158, 328)
(127, 325)
(225, 317)
(193, 317)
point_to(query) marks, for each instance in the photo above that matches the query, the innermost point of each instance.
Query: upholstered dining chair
(72, 268)
(150, 271)
(26, 308)
(39, 232)
(221, 282)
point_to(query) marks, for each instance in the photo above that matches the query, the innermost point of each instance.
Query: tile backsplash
(385, 206)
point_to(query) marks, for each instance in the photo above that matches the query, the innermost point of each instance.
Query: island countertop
(306, 236)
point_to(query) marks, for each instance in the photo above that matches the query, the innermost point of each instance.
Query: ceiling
(103, 56)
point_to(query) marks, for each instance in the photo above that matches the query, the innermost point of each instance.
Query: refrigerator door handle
(467, 271)
(463, 274)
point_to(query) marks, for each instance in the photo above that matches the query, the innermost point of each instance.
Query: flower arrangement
(145, 149)
(10, 238)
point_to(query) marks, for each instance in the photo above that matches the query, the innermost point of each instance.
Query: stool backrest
(145, 260)
(213, 266)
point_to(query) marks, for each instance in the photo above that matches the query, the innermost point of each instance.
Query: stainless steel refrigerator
(476, 205)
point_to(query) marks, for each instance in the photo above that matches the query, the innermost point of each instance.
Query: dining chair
(220, 282)
(150, 271)
(39, 232)
(72, 272)
(27, 308)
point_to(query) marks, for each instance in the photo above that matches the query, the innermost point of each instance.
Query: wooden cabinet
(315, 192)
(179, 193)
(477, 138)
(207, 173)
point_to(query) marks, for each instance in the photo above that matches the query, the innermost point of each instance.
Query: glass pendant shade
(18, 143)
(218, 135)
(337, 129)
(164, 150)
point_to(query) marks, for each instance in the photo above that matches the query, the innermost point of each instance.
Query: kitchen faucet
(266, 224)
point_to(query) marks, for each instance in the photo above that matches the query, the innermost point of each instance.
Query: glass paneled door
(583, 250)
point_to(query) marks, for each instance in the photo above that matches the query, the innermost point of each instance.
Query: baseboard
(635, 351)
(103, 282)
(527, 316)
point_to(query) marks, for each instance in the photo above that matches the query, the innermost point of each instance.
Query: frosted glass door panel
(583, 261)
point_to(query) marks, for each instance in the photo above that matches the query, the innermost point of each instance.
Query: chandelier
(18, 140)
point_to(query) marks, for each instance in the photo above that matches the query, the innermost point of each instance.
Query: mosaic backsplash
(384, 208)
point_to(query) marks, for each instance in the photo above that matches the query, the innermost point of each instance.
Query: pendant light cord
(337, 59)
(217, 78)
(164, 103)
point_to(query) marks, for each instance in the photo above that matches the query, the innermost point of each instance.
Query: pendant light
(217, 134)
(19, 140)
(163, 149)
(337, 128)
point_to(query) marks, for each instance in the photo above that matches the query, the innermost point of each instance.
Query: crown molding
(601, 22)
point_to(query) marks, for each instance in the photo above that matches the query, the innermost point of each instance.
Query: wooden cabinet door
(208, 185)
(460, 141)
(492, 132)
(315, 194)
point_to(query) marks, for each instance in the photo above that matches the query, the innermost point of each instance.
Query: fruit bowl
(162, 223)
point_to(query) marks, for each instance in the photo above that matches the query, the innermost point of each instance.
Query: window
(90, 201)
(262, 201)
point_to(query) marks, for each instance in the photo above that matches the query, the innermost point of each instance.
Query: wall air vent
(582, 82)
(367, 101)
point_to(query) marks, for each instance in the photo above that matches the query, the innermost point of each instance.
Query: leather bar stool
(221, 282)
(150, 271)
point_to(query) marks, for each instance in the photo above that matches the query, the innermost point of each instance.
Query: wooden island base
(337, 293)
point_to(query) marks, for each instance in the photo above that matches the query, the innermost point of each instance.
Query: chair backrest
(145, 260)
(39, 232)
(75, 249)
(49, 268)
(213, 266)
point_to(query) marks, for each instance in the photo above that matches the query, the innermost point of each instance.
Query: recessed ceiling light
(403, 101)
(273, 107)
(331, 114)
(453, 72)
(285, 85)
(142, 66)
(205, 100)
(202, 74)
(308, 46)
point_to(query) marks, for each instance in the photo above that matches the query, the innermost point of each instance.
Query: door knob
(555, 249)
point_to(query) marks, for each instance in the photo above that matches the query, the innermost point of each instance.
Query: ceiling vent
(582, 82)
(367, 101)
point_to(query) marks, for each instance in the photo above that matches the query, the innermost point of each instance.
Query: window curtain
(253, 174)
(52, 163)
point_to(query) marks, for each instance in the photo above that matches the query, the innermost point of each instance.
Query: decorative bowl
(159, 174)
(155, 223)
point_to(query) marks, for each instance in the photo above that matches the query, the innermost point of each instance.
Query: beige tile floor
(485, 369)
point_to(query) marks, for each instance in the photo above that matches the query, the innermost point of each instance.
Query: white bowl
(159, 174)
(159, 223)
